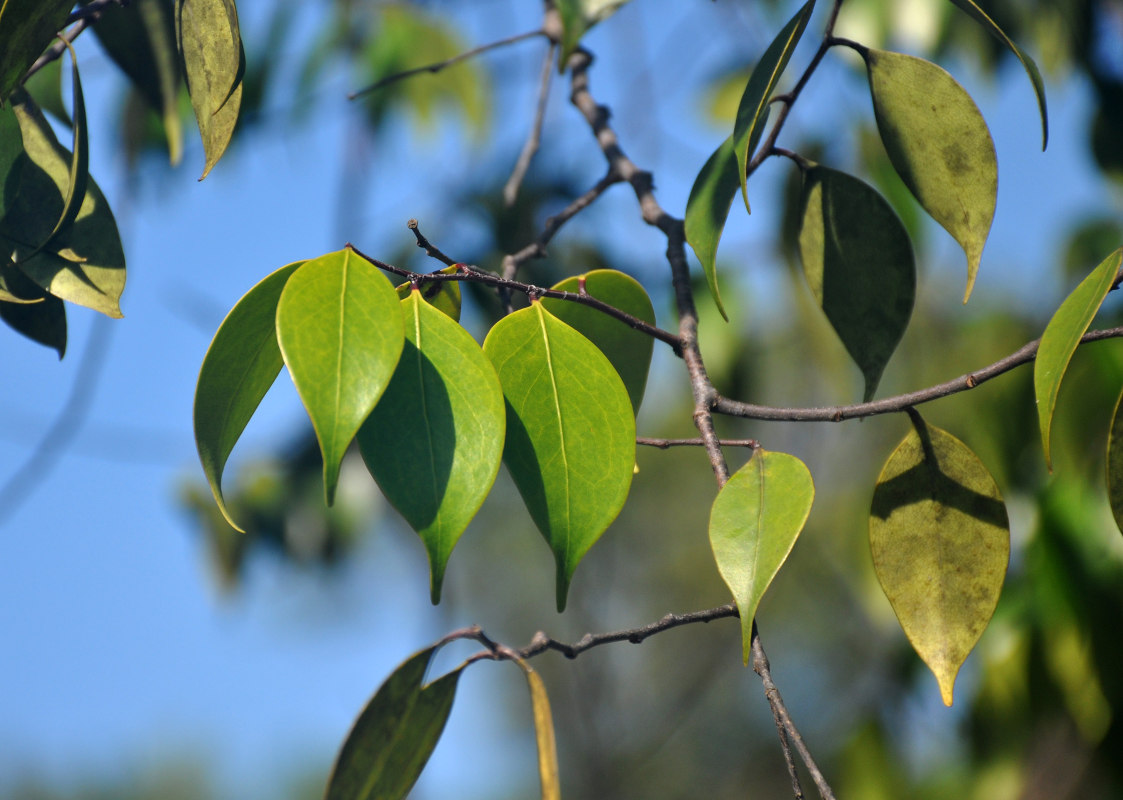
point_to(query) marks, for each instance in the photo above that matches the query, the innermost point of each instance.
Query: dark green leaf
(708, 208)
(26, 308)
(27, 27)
(1115, 464)
(11, 148)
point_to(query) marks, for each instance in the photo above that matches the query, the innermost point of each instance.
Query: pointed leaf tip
(707, 210)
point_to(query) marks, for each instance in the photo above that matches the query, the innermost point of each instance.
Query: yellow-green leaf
(1061, 337)
(708, 208)
(940, 540)
(442, 295)
(27, 27)
(1115, 464)
(754, 522)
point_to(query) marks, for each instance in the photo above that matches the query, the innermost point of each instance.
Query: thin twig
(530, 147)
(663, 444)
(80, 19)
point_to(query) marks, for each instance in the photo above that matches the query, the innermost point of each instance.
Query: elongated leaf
(940, 539)
(1114, 462)
(435, 439)
(211, 43)
(577, 16)
(543, 735)
(26, 308)
(627, 349)
(858, 261)
(939, 144)
(339, 324)
(708, 208)
(395, 734)
(238, 369)
(83, 262)
(11, 148)
(1061, 337)
(752, 112)
(78, 177)
(754, 522)
(1034, 74)
(27, 27)
(443, 295)
(570, 431)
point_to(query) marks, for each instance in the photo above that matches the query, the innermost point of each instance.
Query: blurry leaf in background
(27, 27)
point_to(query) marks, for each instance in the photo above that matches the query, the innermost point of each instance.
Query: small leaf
(577, 17)
(1115, 464)
(570, 431)
(442, 295)
(627, 349)
(940, 540)
(27, 309)
(858, 261)
(752, 112)
(339, 324)
(435, 439)
(27, 27)
(543, 735)
(395, 734)
(708, 208)
(238, 369)
(939, 144)
(1061, 337)
(754, 522)
(1034, 74)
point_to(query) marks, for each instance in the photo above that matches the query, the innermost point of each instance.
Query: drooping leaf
(570, 444)
(211, 43)
(83, 262)
(752, 113)
(708, 208)
(339, 324)
(1061, 337)
(858, 261)
(442, 295)
(26, 308)
(754, 522)
(543, 735)
(238, 369)
(1034, 74)
(939, 144)
(435, 439)
(27, 27)
(577, 16)
(394, 735)
(1115, 464)
(940, 540)
(627, 349)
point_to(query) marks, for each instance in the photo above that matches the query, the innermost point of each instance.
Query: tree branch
(80, 19)
(530, 147)
(663, 444)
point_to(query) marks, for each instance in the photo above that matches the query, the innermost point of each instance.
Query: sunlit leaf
(570, 431)
(577, 16)
(543, 735)
(939, 144)
(394, 735)
(27, 27)
(1061, 337)
(26, 308)
(240, 366)
(708, 208)
(1115, 464)
(339, 324)
(442, 295)
(752, 112)
(754, 522)
(859, 264)
(940, 540)
(435, 439)
(627, 349)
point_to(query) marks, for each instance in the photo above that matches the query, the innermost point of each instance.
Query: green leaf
(939, 144)
(754, 522)
(442, 295)
(394, 735)
(940, 539)
(858, 261)
(708, 208)
(27, 27)
(435, 439)
(627, 349)
(11, 148)
(752, 112)
(240, 366)
(211, 43)
(83, 262)
(339, 324)
(1034, 74)
(27, 309)
(543, 735)
(1115, 464)
(1061, 337)
(570, 431)
(577, 16)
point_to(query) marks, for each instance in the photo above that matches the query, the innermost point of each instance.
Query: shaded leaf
(238, 369)
(939, 144)
(708, 208)
(339, 324)
(1061, 337)
(570, 431)
(940, 539)
(442, 295)
(1115, 464)
(627, 349)
(11, 148)
(435, 439)
(577, 17)
(394, 735)
(858, 261)
(29, 310)
(754, 522)
(27, 27)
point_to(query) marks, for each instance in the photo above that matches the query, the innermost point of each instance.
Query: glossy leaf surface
(339, 324)
(754, 522)
(240, 366)
(939, 144)
(627, 349)
(27, 27)
(394, 735)
(570, 444)
(1115, 464)
(940, 540)
(1061, 337)
(435, 439)
(707, 210)
(443, 295)
(858, 261)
